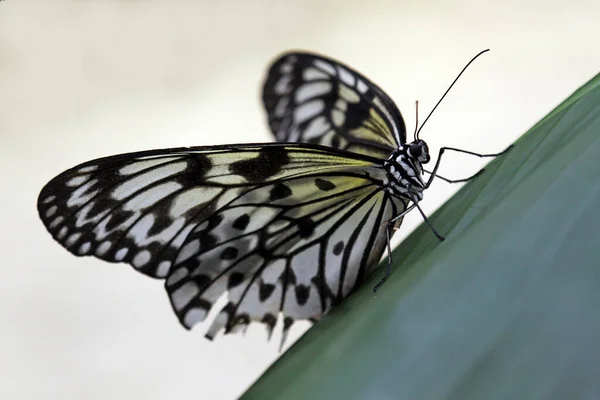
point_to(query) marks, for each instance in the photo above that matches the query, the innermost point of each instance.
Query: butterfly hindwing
(296, 257)
(288, 229)
(313, 99)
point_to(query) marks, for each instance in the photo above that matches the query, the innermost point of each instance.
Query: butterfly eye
(419, 151)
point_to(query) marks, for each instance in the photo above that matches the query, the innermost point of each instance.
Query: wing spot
(56, 221)
(324, 184)
(361, 86)
(282, 86)
(302, 294)
(84, 248)
(202, 281)
(103, 247)
(268, 163)
(214, 221)
(338, 248)
(49, 199)
(313, 74)
(286, 68)
(351, 97)
(280, 191)
(265, 291)
(346, 76)
(202, 167)
(306, 227)
(241, 222)
(269, 320)
(77, 180)
(338, 117)
(142, 258)
(50, 212)
(325, 66)
(163, 269)
(335, 142)
(73, 238)
(208, 241)
(121, 253)
(235, 279)
(89, 168)
(239, 325)
(281, 107)
(230, 253)
(62, 233)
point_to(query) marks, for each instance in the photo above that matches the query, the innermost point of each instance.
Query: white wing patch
(308, 110)
(324, 66)
(313, 89)
(151, 196)
(143, 165)
(345, 76)
(190, 198)
(130, 186)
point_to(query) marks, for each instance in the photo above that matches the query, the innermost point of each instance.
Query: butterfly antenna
(447, 90)
(416, 118)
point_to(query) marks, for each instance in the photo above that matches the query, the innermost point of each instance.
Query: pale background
(85, 79)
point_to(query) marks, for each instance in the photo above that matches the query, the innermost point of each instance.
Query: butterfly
(283, 230)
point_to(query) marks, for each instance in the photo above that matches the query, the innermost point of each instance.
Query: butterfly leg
(388, 269)
(457, 180)
(390, 225)
(435, 232)
(439, 159)
(401, 215)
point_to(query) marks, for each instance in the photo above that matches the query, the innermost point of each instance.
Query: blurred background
(85, 79)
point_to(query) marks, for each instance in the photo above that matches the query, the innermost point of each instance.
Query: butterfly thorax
(404, 169)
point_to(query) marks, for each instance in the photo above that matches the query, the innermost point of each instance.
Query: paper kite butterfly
(283, 229)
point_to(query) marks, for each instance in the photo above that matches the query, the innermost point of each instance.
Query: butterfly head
(418, 151)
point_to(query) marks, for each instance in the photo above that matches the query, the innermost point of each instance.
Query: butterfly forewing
(283, 229)
(313, 99)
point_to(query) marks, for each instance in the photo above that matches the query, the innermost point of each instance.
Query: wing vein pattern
(314, 99)
(279, 229)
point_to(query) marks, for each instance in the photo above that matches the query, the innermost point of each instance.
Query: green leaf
(508, 307)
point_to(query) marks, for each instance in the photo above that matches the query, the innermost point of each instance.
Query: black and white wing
(282, 229)
(314, 99)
